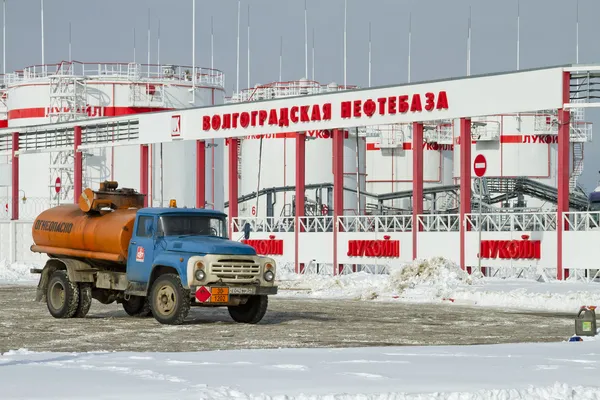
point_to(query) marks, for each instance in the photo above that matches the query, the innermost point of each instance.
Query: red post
(300, 191)
(338, 190)
(144, 172)
(465, 183)
(563, 175)
(233, 182)
(417, 207)
(200, 174)
(15, 176)
(78, 166)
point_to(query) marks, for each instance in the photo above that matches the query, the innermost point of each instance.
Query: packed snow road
(25, 323)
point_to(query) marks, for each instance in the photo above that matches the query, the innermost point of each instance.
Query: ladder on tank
(68, 102)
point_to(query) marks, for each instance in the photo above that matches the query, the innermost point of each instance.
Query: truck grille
(236, 270)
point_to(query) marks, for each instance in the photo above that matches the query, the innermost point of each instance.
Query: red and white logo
(176, 126)
(139, 255)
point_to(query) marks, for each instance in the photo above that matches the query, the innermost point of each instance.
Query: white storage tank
(71, 91)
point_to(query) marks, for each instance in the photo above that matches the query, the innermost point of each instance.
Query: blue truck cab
(182, 257)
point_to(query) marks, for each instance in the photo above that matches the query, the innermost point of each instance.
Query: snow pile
(439, 280)
(509, 371)
(422, 280)
(16, 273)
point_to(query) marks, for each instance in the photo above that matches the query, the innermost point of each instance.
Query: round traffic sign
(480, 165)
(57, 185)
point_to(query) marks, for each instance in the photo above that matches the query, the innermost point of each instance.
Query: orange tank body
(67, 230)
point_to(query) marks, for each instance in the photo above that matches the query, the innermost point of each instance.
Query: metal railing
(582, 221)
(502, 222)
(376, 223)
(120, 70)
(316, 223)
(439, 222)
(275, 90)
(264, 224)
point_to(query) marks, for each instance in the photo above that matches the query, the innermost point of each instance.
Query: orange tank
(88, 230)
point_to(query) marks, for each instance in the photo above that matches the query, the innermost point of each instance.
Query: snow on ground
(17, 273)
(440, 280)
(513, 371)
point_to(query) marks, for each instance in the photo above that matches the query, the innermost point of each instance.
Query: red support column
(144, 172)
(200, 174)
(300, 192)
(465, 183)
(15, 176)
(417, 207)
(338, 190)
(78, 166)
(233, 182)
(563, 175)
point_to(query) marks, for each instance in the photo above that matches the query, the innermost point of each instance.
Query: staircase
(577, 165)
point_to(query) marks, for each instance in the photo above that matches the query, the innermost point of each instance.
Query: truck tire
(169, 301)
(85, 300)
(62, 295)
(251, 312)
(137, 306)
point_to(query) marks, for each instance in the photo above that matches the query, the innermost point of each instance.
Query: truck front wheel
(169, 301)
(62, 295)
(251, 312)
(137, 306)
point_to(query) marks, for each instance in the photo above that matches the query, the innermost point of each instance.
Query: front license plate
(219, 295)
(242, 290)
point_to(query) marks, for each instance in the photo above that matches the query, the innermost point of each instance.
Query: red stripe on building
(511, 139)
(41, 112)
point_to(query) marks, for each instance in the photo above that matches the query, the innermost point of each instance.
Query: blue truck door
(141, 249)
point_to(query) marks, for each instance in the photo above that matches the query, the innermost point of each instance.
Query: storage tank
(69, 91)
(278, 159)
(99, 227)
(390, 157)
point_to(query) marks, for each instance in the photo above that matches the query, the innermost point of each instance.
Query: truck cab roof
(173, 210)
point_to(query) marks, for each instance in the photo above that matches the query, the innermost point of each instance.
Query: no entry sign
(480, 165)
(57, 185)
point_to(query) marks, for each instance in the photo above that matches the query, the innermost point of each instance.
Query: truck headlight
(269, 276)
(199, 275)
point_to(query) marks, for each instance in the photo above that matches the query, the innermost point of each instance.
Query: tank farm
(330, 179)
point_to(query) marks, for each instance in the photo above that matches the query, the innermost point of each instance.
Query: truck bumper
(240, 290)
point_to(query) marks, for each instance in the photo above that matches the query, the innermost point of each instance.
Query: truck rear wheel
(62, 295)
(85, 300)
(251, 312)
(137, 306)
(169, 301)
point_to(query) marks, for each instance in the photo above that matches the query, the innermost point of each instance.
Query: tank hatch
(109, 196)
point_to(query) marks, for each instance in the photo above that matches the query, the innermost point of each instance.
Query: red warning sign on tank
(139, 255)
(176, 126)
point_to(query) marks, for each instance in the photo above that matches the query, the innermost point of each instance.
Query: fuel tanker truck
(154, 261)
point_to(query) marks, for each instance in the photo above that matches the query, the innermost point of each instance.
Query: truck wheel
(252, 312)
(169, 301)
(62, 295)
(137, 306)
(85, 300)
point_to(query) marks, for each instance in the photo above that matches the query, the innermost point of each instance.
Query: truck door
(141, 249)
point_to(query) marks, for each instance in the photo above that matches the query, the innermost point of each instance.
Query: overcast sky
(103, 31)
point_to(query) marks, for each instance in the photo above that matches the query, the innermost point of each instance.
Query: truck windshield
(183, 225)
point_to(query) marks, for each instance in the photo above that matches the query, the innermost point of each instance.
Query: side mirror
(246, 231)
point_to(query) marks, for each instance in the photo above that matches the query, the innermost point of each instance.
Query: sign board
(175, 125)
(57, 185)
(480, 165)
(425, 101)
